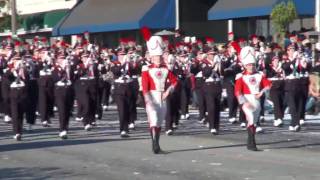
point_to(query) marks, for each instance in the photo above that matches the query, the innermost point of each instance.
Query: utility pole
(177, 14)
(230, 25)
(13, 17)
(317, 16)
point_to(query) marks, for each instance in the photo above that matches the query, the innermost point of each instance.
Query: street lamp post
(13, 17)
(317, 16)
(177, 15)
(230, 25)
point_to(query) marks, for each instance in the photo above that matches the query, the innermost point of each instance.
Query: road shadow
(58, 143)
(230, 146)
(37, 173)
(204, 148)
(295, 146)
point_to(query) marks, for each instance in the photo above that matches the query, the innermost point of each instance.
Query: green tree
(281, 16)
(2, 3)
(5, 22)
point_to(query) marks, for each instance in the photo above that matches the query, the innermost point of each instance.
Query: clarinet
(18, 79)
(125, 72)
(261, 58)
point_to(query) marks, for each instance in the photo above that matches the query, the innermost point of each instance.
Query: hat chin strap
(157, 63)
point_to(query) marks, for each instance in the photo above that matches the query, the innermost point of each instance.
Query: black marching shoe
(17, 137)
(63, 135)
(155, 137)
(251, 143)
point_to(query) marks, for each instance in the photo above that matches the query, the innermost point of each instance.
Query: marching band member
(296, 87)
(212, 88)
(157, 84)
(172, 114)
(107, 78)
(62, 77)
(261, 66)
(32, 71)
(102, 66)
(199, 82)
(276, 76)
(231, 67)
(250, 86)
(134, 73)
(304, 68)
(6, 80)
(86, 90)
(46, 87)
(186, 84)
(2, 67)
(18, 95)
(122, 91)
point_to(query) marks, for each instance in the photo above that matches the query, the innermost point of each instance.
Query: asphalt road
(191, 153)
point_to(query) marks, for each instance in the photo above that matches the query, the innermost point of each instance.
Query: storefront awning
(229, 9)
(115, 15)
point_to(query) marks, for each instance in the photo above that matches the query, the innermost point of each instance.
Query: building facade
(109, 20)
(37, 16)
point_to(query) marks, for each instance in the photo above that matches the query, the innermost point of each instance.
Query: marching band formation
(164, 77)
